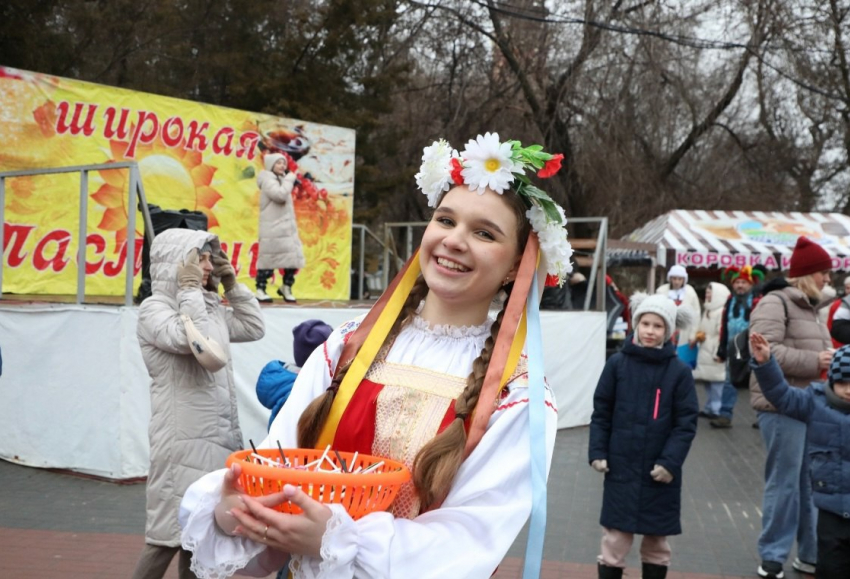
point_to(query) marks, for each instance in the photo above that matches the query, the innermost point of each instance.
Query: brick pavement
(55, 525)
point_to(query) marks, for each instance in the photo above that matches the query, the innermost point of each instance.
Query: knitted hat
(675, 317)
(270, 160)
(752, 275)
(677, 271)
(808, 258)
(839, 368)
(308, 336)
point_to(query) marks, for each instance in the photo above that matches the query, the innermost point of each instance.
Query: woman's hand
(759, 347)
(296, 534)
(231, 496)
(190, 274)
(824, 359)
(223, 270)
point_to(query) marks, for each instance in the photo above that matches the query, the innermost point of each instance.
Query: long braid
(437, 462)
(314, 416)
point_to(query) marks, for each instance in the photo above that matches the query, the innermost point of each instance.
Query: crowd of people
(786, 329)
(426, 378)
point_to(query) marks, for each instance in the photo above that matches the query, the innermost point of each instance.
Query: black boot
(652, 571)
(606, 572)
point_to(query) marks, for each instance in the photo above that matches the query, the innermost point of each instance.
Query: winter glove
(189, 275)
(661, 474)
(223, 270)
(600, 465)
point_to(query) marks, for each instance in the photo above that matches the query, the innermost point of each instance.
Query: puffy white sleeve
(468, 535)
(216, 555)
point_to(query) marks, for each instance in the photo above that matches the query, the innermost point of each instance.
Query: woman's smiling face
(469, 248)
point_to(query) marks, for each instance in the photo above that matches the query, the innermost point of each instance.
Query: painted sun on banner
(191, 156)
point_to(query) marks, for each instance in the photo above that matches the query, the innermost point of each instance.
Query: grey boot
(607, 572)
(653, 571)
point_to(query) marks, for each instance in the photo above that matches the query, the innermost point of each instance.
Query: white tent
(698, 238)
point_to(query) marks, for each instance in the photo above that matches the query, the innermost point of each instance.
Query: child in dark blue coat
(277, 377)
(825, 408)
(644, 418)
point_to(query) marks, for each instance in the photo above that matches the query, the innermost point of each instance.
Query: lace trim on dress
(335, 549)
(455, 332)
(193, 539)
(329, 555)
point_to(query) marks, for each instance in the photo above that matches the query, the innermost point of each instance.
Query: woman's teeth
(451, 265)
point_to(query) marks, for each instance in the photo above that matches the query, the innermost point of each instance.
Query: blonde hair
(437, 462)
(807, 285)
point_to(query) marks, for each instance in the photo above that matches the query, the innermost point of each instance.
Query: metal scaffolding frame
(135, 198)
(361, 265)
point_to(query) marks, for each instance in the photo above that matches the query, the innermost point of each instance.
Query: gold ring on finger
(265, 533)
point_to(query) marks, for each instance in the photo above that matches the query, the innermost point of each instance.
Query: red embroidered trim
(328, 360)
(523, 401)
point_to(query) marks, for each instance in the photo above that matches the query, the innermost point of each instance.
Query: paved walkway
(55, 525)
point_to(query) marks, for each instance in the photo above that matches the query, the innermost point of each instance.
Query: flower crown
(486, 162)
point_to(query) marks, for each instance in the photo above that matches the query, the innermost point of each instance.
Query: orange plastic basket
(360, 494)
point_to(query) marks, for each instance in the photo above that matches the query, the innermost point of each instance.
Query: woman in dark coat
(644, 419)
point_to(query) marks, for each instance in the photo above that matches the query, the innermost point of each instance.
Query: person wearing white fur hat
(279, 244)
(644, 420)
(681, 292)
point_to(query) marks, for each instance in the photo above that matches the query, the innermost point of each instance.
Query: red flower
(551, 167)
(551, 280)
(456, 169)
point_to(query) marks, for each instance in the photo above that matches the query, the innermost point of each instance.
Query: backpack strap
(784, 306)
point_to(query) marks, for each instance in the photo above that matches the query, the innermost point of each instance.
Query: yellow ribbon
(367, 353)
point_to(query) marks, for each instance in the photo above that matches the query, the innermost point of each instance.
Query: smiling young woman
(422, 379)
(470, 249)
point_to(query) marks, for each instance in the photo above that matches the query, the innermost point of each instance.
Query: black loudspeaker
(162, 219)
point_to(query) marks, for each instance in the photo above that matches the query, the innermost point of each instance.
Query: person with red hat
(787, 317)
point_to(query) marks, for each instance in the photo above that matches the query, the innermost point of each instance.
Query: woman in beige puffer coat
(787, 317)
(710, 369)
(279, 244)
(194, 424)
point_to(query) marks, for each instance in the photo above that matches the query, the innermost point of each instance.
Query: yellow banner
(191, 156)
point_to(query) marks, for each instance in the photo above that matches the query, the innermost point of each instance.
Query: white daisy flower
(435, 174)
(488, 163)
(553, 240)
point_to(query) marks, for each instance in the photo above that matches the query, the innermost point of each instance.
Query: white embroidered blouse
(467, 536)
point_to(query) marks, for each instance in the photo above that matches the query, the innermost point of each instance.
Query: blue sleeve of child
(685, 412)
(603, 411)
(274, 386)
(798, 403)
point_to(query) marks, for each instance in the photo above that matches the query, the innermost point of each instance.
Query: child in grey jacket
(825, 408)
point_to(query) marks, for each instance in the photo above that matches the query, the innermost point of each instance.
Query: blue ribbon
(537, 437)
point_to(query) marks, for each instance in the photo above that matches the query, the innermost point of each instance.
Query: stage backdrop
(191, 156)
